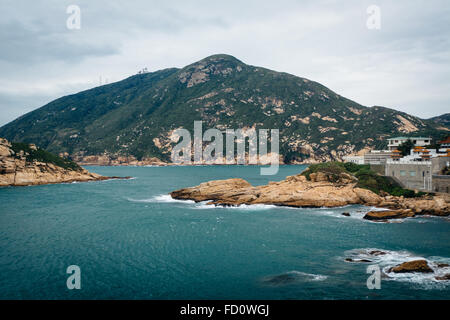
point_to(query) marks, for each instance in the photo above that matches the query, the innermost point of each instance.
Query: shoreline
(321, 191)
(101, 178)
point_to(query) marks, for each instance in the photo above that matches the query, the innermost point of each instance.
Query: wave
(245, 207)
(163, 198)
(292, 277)
(166, 198)
(386, 259)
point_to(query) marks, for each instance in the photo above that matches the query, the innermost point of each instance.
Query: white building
(393, 143)
(354, 159)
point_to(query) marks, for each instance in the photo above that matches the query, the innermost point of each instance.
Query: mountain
(136, 116)
(443, 119)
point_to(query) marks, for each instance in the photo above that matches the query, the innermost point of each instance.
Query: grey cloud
(404, 65)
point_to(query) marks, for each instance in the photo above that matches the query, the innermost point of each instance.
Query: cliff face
(108, 160)
(18, 169)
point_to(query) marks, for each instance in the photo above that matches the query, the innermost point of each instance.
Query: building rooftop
(411, 138)
(446, 140)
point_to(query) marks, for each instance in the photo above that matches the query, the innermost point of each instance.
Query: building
(440, 169)
(421, 170)
(411, 174)
(377, 157)
(394, 143)
(441, 183)
(354, 159)
(445, 144)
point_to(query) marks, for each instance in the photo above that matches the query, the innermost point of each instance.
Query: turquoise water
(132, 241)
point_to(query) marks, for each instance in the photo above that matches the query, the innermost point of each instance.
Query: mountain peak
(215, 65)
(218, 61)
(221, 57)
(138, 115)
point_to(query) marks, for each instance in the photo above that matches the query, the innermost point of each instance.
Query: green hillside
(135, 116)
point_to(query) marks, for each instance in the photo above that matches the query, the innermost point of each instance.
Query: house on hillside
(394, 143)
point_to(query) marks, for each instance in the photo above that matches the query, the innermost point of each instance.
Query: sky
(404, 64)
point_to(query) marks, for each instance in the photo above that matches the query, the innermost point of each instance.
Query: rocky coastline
(320, 191)
(19, 169)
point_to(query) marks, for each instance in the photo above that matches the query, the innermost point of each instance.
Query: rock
(412, 266)
(323, 190)
(368, 197)
(16, 170)
(114, 160)
(444, 277)
(295, 191)
(377, 253)
(357, 260)
(443, 265)
(346, 214)
(389, 214)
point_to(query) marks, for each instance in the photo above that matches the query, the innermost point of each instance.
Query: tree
(406, 147)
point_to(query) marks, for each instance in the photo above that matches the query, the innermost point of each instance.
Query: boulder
(412, 266)
(389, 214)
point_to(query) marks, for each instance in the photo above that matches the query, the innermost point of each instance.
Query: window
(402, 173)
(412, 173)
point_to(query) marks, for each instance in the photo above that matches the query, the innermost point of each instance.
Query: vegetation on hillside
(367, 178)
(43, 156)
(135, 116)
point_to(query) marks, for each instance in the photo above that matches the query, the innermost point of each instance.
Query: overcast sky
(404, 65)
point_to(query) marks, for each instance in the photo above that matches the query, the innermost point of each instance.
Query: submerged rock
(444, 277)
(377, 253)
(357, 260)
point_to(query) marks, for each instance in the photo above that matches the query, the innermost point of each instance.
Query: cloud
(404, 65)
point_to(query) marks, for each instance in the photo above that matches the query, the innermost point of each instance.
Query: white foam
(291, 278)
(311, 276)
(163, 198)
(245, 207)
(393, 258)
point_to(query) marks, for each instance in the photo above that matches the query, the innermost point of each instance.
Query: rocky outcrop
(111, 160)
(321, 190)
(17, 170)
(295, 191)
(389, 214)
(412, 266)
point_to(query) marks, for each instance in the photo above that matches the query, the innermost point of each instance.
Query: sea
(130, 240)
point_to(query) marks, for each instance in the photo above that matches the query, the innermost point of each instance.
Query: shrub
(367, 178)
(44, 156)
